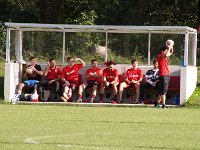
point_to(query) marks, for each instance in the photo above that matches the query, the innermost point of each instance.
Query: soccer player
(165, 52)
(52, 76)
(93, 76)
(150, 81)
(110, 79)
(69, 76)
(133, 78)
(32, 75)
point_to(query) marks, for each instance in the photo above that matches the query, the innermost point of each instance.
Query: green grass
(102, 128)
(194, 100)
(67, 127)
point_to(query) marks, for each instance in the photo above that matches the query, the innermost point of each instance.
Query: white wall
(11, 80)
(188, 82)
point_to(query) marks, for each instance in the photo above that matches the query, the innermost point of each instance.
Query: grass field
(99, 128)
(66, 127)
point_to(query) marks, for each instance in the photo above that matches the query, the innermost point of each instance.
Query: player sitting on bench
(52, 75)
(33, 74)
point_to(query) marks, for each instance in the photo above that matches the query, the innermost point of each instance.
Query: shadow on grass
(1, 88)
(133, 122)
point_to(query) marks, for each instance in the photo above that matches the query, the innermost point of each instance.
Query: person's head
(94, 63)
(134, 63)
(70, 61)
(155, 64)
(52, 62)
(163, 49)
(110, 64)
(32, 60)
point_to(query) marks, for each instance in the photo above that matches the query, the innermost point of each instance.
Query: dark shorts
(163, 85)
(91, 83)
(131, 85)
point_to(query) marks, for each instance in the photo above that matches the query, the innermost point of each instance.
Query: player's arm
(62, 77)
(169, 52)
(46, 70)
(65, 81)
(88, 74)
(147, 76)
(25, 75)
(141, 76)
(127, 80)
(98, 75)
(38, 71)
(115, 80)
(104, 79)
(59, 75)
(82, 62)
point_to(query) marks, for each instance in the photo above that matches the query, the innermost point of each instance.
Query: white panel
(11, 80)
(188, 82)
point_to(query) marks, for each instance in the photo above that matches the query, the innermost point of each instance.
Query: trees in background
(118, 12)
(104, 12)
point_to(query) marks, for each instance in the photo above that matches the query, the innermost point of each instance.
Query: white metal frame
(19, 27)
(13, 70)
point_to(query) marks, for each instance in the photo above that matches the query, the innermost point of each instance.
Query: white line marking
(85, 146)
(31, 141)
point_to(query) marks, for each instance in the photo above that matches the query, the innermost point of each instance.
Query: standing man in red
(93, 76)
(110, 78)
(133, 78)
(162, 58)
(52, 76)
(69, 76)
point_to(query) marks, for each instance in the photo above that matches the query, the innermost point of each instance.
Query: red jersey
(71, 73)
(110, 74)
(53, 73)
(93, 71)
(134, 74)
(163, 65)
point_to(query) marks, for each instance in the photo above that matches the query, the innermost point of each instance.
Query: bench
(174, 84)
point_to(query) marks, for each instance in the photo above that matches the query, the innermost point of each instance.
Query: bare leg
(102, 92)
(80, 92)
(163, 99)
(114, 86)
(159, 99)
(102, 88)
(66, 93)
(81, 88)
(137, 86)
(20, 88)
(94, 93)
(121, 88)
(35, 89)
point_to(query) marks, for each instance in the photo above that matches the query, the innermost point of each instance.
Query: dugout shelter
(186, 73)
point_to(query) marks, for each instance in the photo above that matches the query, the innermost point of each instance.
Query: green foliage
(90, 12)
(86, 18)
(2, 41)
(172, 13)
